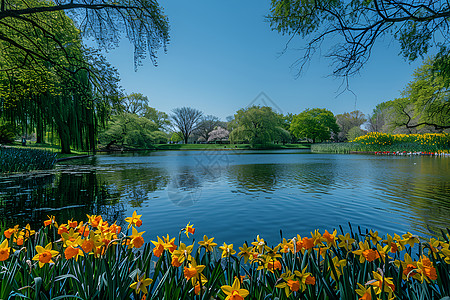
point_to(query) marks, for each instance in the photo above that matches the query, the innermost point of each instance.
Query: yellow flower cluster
(334, 252)
(430, 139)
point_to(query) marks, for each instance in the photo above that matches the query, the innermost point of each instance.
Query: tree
(142, 22)
(134, 103)
(161, 119)
(218, 134)
(69, 97)
(206, 125)
(355, 26)
(347, 121)
(315, 124)
(132, 130)
(423, 107)
(257, 125)
(186, 120)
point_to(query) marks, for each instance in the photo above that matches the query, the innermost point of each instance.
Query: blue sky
(222, 54)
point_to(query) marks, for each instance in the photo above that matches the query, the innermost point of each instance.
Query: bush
(7, 133)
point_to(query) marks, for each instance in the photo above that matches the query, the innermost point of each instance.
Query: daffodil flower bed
(436, 143)
(98, 260)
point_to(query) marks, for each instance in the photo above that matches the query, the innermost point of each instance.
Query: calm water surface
(235, 195)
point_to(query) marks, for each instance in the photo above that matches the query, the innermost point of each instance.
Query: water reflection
(389, 194)
(30, 198)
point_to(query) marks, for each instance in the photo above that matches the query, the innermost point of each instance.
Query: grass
(96, 260)
(227, 146)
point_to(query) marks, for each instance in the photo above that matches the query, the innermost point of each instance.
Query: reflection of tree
(67, 195)
(134, 185)
(185, 187)
(255, 178)
(421, 193)
(310, 177)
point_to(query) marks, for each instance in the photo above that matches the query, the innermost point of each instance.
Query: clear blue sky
(222, 54)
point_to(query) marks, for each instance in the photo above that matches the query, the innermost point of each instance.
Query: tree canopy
(257, 125)
(353, 27)
(142, 22)
(185, 121)
(315, 124)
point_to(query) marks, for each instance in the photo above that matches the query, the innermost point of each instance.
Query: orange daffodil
(4, 250)
(45, 255)
(296, 282)
(189, 229)
(234, 292)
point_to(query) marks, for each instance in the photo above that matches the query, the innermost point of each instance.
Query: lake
(236, 194)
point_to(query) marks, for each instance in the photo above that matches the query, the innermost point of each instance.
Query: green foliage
(315, 124)
(354, 132)
(24, 160)
(353, 27)
(257, 125)
(7, 133)
(347, 121)
(132, 130)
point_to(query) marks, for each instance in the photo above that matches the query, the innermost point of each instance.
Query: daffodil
(4, 250)
(45, 255)
(305, 278)
(289, 283)
(136, 239)
(189, 229)
(193, 272)
(234, 292)
(141, 284)
(227, 250)
(410, 239)
(382, 284)
(373, 236)
(330, 238)
(286, 246)
(169, 244)
(72, 249)
(366, 253)
(246, 252)
(345, 241)
(135, 220)
(208, 244)
(426, 269)
(183, 253)
(259, 244)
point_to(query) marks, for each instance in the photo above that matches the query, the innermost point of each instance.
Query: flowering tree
(218, 134)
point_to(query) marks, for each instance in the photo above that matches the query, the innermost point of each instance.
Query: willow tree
(142, 22)
(67, 97)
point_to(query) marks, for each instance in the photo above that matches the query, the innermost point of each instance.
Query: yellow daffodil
(246, 252)
(259, 244)
(169, 244)
(208, 244)
(141, 284)
(183, 253)
(135, 220)
(304, 278)
(345, 241)
(373, 236)
(410, 239)
(227, 250)
(234, 292)
(366, 253)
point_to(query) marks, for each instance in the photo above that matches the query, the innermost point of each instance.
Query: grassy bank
(99, 260)
(381, 142)
(227, 146)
